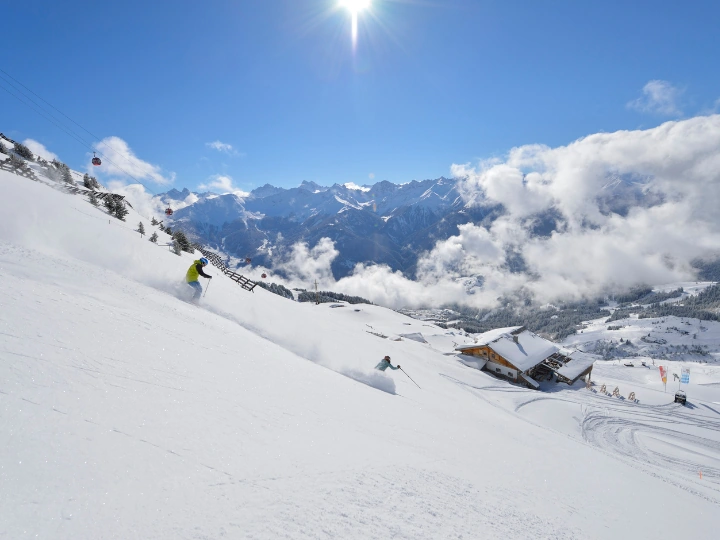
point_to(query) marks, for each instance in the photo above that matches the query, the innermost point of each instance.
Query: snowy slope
(126, 412)
(672, 338)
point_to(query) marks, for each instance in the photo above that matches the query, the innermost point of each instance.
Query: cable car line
(65, 115)
(55, 121)
(49, 119)
(39, 109)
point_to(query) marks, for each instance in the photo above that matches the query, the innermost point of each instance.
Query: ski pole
(206, 288)
(409, 377)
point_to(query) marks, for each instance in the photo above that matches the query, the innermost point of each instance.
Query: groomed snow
(126, 412)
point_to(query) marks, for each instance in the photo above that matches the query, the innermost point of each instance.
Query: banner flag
(685, 378)
(663, 374)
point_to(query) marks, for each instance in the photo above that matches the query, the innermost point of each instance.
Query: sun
(355, 5)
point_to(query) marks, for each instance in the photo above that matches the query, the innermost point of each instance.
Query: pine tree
(141, 229)
(110, 204)
(168, 230)
(92, 197)
(67, 177)
(16, 162)
(154, 221)
(177, 250)
(23, 151)
(89, 182)
(154, 238)
(162, 227)
(120, 210)
(181, 239)
(3, 148)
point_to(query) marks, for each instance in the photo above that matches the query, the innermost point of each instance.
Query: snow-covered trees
(67, 177)
(92, 198)
(278, 289)
(121, 211)
(109, 203)
(3, 149)
(177, 249)
(181, 239)
(154, 221)
(90, 182)
(153, 238)
(141, 229)
(115, 207)
(23, 151)
(16, 162)
(329, 296)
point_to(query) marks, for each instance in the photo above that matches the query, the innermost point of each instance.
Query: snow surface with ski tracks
(127, 412)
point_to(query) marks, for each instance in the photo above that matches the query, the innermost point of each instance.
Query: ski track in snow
(637, 439)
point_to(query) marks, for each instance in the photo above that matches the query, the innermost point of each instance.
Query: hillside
(127, 412)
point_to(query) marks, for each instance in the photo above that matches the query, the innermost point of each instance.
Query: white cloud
(354, 186)
(303, 265)
(118, 160)
(659, 97)
(147, 204)
(223, 184)
(142, 201)
(223, 147)
(39, 150)
(676, 166)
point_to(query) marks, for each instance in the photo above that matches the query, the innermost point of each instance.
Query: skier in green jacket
(193, 275)
(385, 363)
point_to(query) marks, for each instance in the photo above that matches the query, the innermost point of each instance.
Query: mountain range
(384, 223)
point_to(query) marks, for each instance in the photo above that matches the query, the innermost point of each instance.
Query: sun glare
(355, 6)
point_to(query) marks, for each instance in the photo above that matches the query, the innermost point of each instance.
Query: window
(497, 369)
(493, 355)
(510, 373)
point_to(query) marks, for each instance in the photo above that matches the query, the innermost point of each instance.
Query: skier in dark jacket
(385, 363)
(193, 274)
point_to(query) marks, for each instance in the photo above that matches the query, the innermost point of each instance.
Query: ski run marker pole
(409, 377)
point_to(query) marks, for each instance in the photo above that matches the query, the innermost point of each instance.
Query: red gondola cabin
(168, 212)
(96, 160)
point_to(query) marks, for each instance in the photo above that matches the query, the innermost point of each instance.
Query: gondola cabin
(96, 160)
(168, 212)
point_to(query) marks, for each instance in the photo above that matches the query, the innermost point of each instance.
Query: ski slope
(127, 412)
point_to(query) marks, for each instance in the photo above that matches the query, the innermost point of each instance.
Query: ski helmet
(204, 261)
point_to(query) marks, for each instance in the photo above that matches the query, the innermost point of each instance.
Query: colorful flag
(685, 378)
(663, 374)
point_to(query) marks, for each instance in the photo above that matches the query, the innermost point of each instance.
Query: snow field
(127, 412)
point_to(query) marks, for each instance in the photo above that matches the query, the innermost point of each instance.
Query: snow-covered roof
(529, 350)
(528, 379)
(579, 362)
(488, 337)
(472, 361)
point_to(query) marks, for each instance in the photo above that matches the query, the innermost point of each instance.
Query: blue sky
(430, 84)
